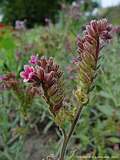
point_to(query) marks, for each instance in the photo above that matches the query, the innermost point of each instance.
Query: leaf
(105, 95)
(114, 140)
(109, 110)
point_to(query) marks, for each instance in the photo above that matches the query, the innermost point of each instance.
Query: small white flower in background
(20, 25)
(74, 3)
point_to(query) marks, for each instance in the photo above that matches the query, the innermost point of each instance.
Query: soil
(39, 146)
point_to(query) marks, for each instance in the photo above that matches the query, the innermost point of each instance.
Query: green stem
(67, 138)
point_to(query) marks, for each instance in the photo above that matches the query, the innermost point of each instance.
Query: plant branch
(67, 138)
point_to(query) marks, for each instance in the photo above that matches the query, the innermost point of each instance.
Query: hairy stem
(67, 138)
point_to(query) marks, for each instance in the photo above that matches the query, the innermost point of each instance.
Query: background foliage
(34, 11)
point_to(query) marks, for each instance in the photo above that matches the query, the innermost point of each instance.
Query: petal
(25, 80)
(26, 67)
(22, 74)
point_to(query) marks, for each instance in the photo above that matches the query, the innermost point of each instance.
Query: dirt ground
(39, 146)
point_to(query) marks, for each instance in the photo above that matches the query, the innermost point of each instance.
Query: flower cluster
(20, 25)
(9, 80)
(96, 33)
(25, 95)
(46, 75)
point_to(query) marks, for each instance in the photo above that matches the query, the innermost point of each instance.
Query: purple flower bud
(33, 59)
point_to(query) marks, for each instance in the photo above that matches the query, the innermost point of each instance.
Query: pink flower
(27, 73)
(33, 59)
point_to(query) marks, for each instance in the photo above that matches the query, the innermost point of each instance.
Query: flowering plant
(46, 79)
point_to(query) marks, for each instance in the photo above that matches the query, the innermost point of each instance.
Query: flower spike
(46, 73)
(95, 35)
